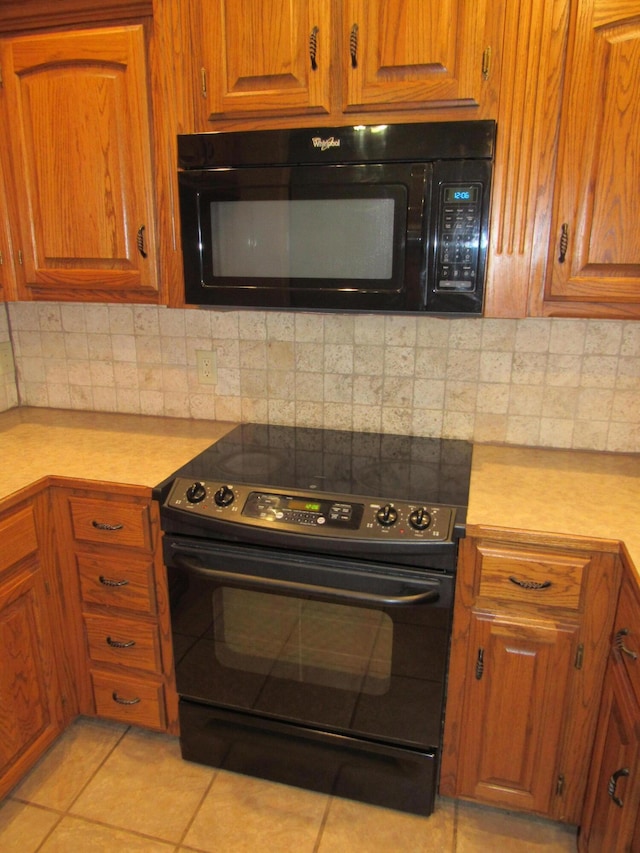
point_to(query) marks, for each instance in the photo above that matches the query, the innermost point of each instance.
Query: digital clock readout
(461, 194)
(304, 505)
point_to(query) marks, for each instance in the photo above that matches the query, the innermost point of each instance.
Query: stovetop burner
(402, 467)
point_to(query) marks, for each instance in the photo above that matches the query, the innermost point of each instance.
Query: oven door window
(308, 642)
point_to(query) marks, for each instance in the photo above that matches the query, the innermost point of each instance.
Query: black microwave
(388, 218)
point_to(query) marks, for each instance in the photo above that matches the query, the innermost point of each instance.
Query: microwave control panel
(459, 234)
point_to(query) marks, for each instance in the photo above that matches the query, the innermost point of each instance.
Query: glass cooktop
(410, 468)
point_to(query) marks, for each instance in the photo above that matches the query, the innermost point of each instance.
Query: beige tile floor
(106, 788)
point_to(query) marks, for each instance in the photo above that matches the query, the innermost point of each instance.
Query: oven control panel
(318, 514)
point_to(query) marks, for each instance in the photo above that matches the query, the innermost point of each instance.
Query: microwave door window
(347, 239)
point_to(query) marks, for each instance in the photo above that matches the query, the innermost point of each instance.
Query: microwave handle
(273, 584)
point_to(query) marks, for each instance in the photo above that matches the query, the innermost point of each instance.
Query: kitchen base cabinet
(31, 714)
(109, 540)
(611, 819)
(529, 646)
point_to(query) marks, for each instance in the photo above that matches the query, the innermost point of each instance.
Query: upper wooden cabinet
(76, 107)
(325, 58)
(594, 249)
(408, 53)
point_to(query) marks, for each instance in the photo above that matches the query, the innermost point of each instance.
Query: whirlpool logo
(324, 144)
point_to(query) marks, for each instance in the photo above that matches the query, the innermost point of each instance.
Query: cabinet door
(29, 697)
(263, 56)
(517, 677)
(80, 137)
(614, 791)
(594, 253)
(410, 53)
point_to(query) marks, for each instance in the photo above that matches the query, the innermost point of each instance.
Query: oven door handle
(194, 565)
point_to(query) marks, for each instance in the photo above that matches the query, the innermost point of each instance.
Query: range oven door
(323, 673)
(333, 644)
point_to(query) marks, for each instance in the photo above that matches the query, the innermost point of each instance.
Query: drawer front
(125, 581)
(111, 522)
(626, 635)
(18, 537)
(137, 701)
(123, 642)
(530, 577)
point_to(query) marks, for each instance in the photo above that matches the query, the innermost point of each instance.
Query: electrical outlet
(206, 364)
(6, 359)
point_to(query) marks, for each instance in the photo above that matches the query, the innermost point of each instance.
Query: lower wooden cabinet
(110, 545)
(531, 624)
(31, 715)
(611, 818)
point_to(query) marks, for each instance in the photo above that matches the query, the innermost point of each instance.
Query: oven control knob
(196, 493)
(420, 519)
(387, 515)
(224, 496)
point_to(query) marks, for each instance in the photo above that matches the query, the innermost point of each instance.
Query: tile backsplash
(8, 387)
(547, 382)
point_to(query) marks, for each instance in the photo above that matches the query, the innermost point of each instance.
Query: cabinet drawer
(531, 577)
(124, 642)
(627, 635)
(18, 537)
(117, 581)
(110, 522)
(137, 701)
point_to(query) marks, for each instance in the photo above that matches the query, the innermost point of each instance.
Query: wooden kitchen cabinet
(31, 714)
(110, 546)
(326, 58)
(611, 818)
(593, 266)
(79, 146)
(529, 648)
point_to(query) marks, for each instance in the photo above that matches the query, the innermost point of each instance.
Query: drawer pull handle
(620, 646)
(109, 582)
(121, 701)
(103, 525)
(611, 787)
(118, 644)
(530, 584)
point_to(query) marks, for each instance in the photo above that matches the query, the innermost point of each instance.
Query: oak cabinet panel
(531, 623)
(324, 59)
(611, 818)
(516, 687)
(30, 702)
(263, 56)
(110, 547)
(80, 148)
(408, 53)
(594, 252)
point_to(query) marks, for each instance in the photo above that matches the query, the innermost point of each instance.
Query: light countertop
(576, 493)
(551, 491)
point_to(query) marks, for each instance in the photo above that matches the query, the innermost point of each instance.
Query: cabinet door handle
(109, 582)
(353, 45)
(103, 525)
(530, 584)
(620, 645)
(121, 701)
(313, 48)
(611, 787)
(564, 242)
(118, 644)
(480, 664)
(140, 241)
